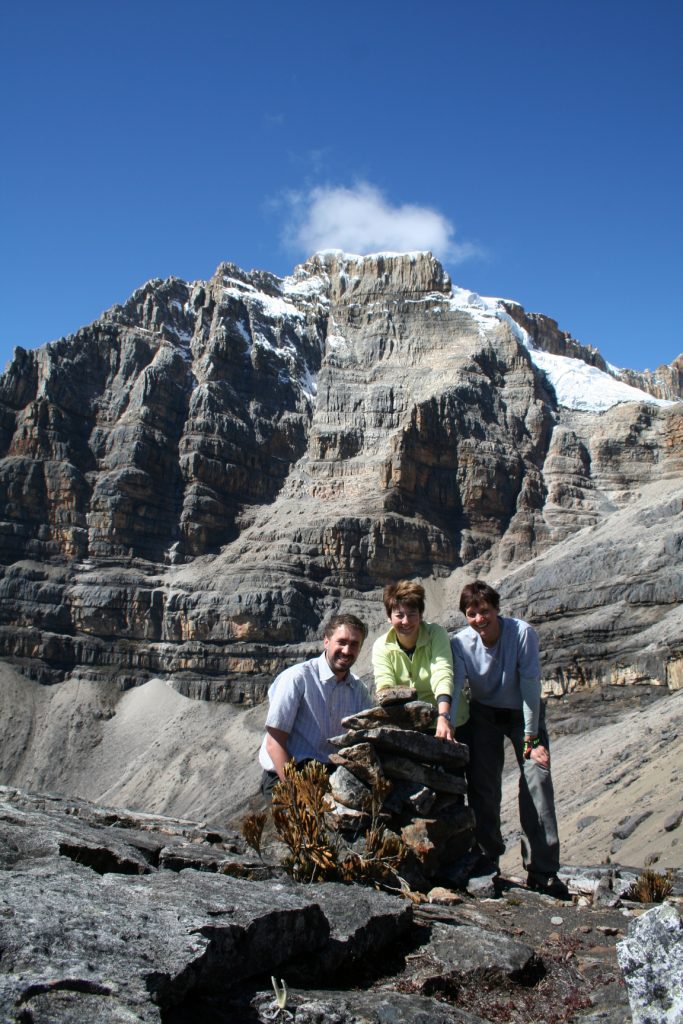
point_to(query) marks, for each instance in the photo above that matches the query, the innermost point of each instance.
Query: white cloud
(360, 220)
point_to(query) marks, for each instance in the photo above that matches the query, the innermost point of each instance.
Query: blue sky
(535, 146)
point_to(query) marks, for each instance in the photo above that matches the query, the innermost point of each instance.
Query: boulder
(347, 789)
(439, 842)
(362, 760)
(651, 960)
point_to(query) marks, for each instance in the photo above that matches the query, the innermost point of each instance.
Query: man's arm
(276, 748)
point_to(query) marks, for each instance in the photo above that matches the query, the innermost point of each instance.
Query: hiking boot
(548, 885)
(484, 865)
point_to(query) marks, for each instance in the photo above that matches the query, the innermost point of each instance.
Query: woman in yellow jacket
(417, 653)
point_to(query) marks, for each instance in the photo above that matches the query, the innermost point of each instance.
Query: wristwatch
(445, 714)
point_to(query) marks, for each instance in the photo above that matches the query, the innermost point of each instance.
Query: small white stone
(556, 920)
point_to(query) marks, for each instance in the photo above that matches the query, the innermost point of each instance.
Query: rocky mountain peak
(384, 275)
(217, 464)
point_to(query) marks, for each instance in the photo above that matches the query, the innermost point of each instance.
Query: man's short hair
(345, 619)
(475, 593)
(404, 592)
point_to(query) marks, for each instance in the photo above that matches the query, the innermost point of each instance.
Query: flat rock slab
(395, 695)
(192, 933)
(416, 714)
(98, 939)
(28, 835)
(439, 780)
(409, 744)
(188, 931)
(454, 954)
(246, 865)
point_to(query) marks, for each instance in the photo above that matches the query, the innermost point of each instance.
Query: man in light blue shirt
(308, 702)
(499, 657)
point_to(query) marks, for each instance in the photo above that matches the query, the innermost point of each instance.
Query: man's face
(342, 649)
(483, 618)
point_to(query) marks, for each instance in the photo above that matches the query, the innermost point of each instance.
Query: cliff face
(203, 474)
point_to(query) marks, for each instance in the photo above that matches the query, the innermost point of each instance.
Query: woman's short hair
(404, 592)
(477, 592)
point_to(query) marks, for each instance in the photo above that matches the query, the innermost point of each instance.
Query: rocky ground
(110, 917)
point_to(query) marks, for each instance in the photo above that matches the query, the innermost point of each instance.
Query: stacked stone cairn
(424, 779)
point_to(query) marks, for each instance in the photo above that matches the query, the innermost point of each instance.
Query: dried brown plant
(316, 853)
(252, 829)
(299, 819)
(650, 887)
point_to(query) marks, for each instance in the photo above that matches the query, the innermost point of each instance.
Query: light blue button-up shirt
(308, 702)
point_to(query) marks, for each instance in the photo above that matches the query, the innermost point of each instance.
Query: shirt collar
(327, 675)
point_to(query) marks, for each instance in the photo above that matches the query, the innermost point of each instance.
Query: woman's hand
(541, 755)
(444, 729)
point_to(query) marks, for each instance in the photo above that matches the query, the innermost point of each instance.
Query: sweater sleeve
(459, 673)
(441, 663)
(531, 703)
(530, 679)
(382, 667)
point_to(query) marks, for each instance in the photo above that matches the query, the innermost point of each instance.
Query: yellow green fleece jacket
(430, 670)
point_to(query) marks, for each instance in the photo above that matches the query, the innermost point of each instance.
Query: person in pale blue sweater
(499, 658)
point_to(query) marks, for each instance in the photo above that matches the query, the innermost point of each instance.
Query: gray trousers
(487, 729)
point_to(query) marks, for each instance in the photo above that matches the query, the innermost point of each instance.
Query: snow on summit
(580, 386)
(576, 384)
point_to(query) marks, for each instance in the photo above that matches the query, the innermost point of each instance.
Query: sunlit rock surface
(192, 483)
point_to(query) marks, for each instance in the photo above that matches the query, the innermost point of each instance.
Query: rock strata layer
(189, 485)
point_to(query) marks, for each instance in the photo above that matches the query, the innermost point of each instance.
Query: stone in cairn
(423, 775)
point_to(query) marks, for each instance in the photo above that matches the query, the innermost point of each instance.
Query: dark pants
(487, 728)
